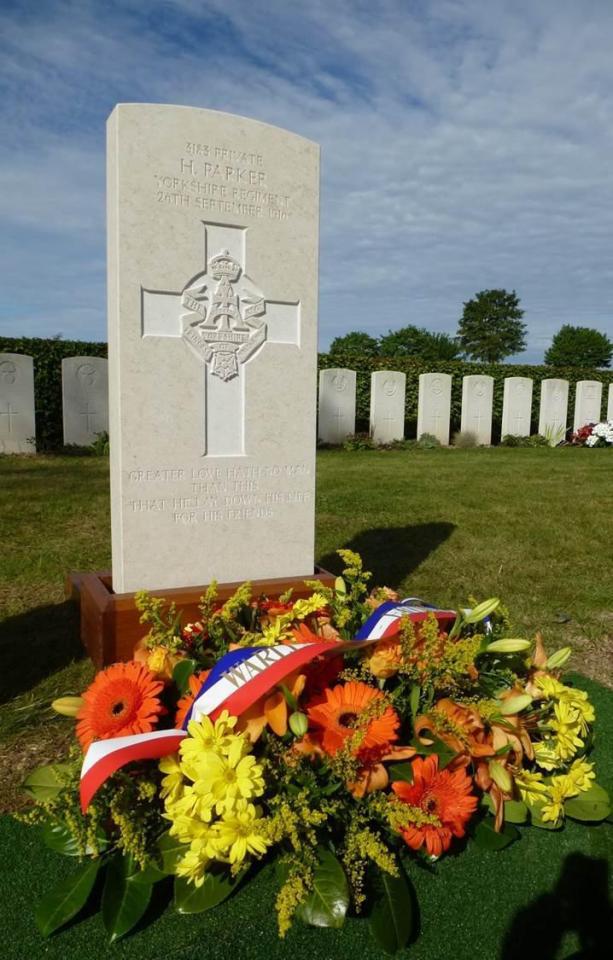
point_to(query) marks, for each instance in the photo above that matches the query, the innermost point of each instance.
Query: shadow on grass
(35, 643)
(579, 903)
(393, 553)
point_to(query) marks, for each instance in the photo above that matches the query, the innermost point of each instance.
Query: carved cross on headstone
(9, 413)
(89, 415)
(225, 319)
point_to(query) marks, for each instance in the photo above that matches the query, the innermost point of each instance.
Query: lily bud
(515, 704)
(507, 646)
(558, 659)
(501, 776)
(482, 610)
(67, 706)
(298, 723)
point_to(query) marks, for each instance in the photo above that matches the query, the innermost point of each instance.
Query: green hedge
(48, 356)
(413, 366)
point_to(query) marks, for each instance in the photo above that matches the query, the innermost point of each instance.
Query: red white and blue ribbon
(387, 618)
(236, 682)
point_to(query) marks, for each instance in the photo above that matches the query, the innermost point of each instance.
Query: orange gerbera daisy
(335, 720)
(122, 699)
(195, 682)
(444, 794)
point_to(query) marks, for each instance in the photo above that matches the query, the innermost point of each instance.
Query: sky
(466, 145)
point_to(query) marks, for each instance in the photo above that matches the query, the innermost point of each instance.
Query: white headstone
(588, 401)
(477, 399)
(387, 393)
(610, 403)
(434, 406)
(553, 409)
(213, 256)
(516, 406)
(17, 426)
(85, 399)
(336, 404)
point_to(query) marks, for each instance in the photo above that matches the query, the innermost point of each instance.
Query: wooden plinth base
(110, 627)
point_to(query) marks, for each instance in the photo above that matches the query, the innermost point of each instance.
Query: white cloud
(465, 145)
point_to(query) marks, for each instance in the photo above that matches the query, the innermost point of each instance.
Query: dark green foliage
(358, 343)
(413, 366)
(491, 327)
(536, 440)
(48, 356)
(579, 347)
(413, 341)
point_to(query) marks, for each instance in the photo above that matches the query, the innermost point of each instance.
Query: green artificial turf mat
(543, 897)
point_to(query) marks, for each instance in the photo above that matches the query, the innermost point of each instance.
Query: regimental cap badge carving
(222, 324)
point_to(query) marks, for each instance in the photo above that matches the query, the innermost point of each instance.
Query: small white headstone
(553, 409)
(477, 399)
(85, 399)
(213, 256)
(17, 425)
(610, 403)
(588, 401)
(387, 394)
(516, 406)
(434, 406)
(336, 404)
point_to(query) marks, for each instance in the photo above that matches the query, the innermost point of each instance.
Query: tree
(579, 347)
(359, 343)
(491, 327)
(418, 342)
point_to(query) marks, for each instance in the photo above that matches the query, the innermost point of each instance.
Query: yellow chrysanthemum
(172, 783)
(229, 778)
(549, 686)
(531, 786)
(204, 736)
(193, 866)
(582, 774)
(559, 790)
(192, 805)
(239, 833)
(546, 755)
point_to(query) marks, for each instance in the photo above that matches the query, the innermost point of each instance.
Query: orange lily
(271, 710)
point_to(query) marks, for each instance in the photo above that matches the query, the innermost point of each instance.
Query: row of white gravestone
(337, 406)
(85, 401)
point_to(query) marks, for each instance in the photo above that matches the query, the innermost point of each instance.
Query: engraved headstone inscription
(336, 404)
(213, 253)
(85, 399)
(17, 427)
(434, 406)
(387, 396)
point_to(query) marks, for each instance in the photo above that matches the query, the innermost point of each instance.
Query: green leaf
(592, 806)
(401, 771)
(444, 753)
(515, 811)
(216, 888)
(414, 699)
(182, 672)
(124, 899)
(391, 919)
(328, 901)
(66, 900)
(488, 839)
(340, 586)
(171, 850)
(45, 783)
(58, 837)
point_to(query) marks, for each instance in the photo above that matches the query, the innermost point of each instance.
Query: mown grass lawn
(530, 525)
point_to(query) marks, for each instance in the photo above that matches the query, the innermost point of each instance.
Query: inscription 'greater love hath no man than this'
(220, 493)
(218, 179)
